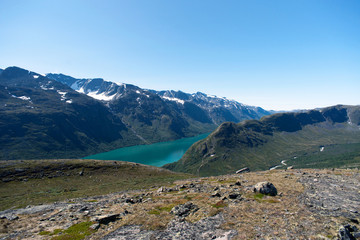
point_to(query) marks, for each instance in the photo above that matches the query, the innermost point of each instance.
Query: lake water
(157, 154)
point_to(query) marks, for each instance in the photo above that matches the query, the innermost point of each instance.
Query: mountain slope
(198, 107)
(148, 116)
(42, 118)
(265, 143)
(58, 115)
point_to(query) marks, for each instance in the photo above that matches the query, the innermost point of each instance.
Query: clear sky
(279, 54)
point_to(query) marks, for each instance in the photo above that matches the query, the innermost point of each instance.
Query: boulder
(265, 188)
(161, 189)
(216, 194)
(234, 195)
(105, 219)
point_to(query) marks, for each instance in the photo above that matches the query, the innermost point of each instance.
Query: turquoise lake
(157, 154)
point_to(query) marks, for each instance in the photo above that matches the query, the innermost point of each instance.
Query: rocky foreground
(307, 204)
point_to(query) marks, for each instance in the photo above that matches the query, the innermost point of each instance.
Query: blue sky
(274, 54)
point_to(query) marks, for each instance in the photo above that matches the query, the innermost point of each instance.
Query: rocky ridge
(309, 204)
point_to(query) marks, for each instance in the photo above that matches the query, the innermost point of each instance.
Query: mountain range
(198, 106)
(58, 116)
(327, 137)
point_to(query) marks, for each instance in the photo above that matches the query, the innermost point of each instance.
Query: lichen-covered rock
(234, 195)
(345, 232)
(266, 188)
(184, 210)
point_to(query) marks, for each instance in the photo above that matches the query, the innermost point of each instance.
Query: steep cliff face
(261, 144)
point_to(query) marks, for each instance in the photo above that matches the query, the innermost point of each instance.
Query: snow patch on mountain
(174, 99)
(24, 98)
(46, 88)
(101, 96)
(62, 94)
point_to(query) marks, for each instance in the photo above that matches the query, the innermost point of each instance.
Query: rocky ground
(309, 204)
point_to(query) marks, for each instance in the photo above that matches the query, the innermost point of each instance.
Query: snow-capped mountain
(216, 109)
(220, 109)
(96, 88)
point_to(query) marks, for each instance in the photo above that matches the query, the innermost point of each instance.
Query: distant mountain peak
(218, 109)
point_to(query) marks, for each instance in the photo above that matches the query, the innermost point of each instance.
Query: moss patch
(75, 232)
(220, 204)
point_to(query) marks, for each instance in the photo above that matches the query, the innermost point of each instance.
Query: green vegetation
(220, 204)
(259, 196)
(333, 156)
(154, 211)
(157, 210)
(44, 181)
(75, 232)
(263, 144)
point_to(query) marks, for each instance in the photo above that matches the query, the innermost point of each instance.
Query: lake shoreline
(156, 154)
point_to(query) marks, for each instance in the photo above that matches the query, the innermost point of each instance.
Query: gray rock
(105, 219)
(204, 229)
(345, 233)
(216, 194)
(130, 232)
(333, 195)
(130, 200)
(265, 188)
(357, 235)
(95, 226)
(238, 183)
(184, 210)
(161, 189)
(234, 195)
(9, 216)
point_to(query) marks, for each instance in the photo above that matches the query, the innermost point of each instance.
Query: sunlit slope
(262, 144)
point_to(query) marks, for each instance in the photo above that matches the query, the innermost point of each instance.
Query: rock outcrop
(266, 188)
